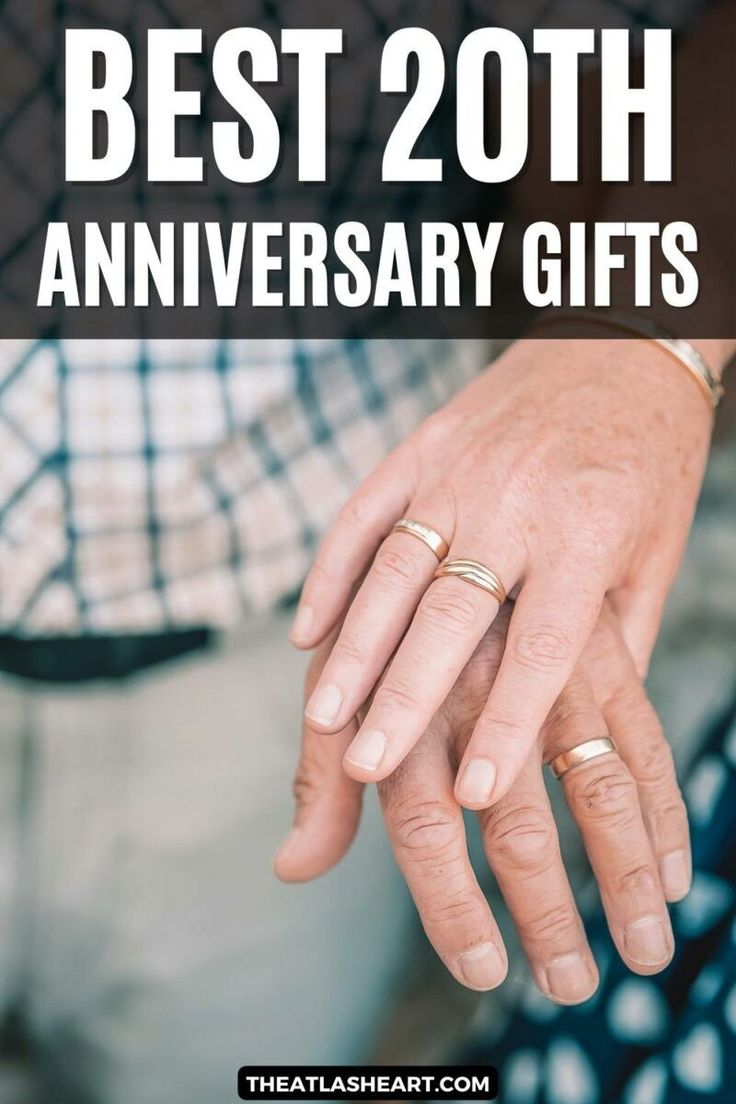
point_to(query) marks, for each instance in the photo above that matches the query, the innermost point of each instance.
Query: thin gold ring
(434, 542)
(471, 571)
(591, 749)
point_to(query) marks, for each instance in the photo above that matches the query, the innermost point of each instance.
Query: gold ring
(430, 537)
(591, 749)
(475, 573)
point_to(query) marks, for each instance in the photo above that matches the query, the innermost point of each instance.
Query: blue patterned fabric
(669, 1039)
(149, 486)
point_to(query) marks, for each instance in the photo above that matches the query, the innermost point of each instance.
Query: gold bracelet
(682, 351)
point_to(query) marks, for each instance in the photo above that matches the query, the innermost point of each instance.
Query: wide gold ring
(583, 753)
(425, 534)
(475, 573)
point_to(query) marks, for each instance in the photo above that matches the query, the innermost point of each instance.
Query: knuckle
(304, 786)
(440, 909)
(669, 814)
(629, 696)
(609, 793)
(397, 697)
(542, 649)
(628, 699)
(521, 837)
(353, 514)
(590, 540)
(573, 714)
(642, 881)
(435, 427)
(656, 763)
(396, 568)
(551, 925)
(348, 649)
(447, 612)
(423, 829)
(500, 724)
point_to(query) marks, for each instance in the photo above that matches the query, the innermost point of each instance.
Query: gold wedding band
(475, 573)
(591, 749)
(430, 537)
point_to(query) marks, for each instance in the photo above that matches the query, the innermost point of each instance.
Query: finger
(327, 802)
(602, 796)
(523, 850)
(637, 733)
(427, 834)
(327, 809)
(376, 621)
(365, 519)
(640, 616)
(551, 623)
(451, 620)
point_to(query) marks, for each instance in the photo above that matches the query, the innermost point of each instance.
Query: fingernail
(646, 942)
(477, 781)
(482, 967)
(367, 750)
(674, 870)
(324, 705)
(302, 624)
(569, 978)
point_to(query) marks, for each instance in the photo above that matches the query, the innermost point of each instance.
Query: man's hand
(572, 470)
(627, 806)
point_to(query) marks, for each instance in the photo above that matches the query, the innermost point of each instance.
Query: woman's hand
(572, 470)
(627, 806)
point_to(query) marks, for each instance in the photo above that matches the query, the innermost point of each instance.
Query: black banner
(341, 169)
(367, 1083)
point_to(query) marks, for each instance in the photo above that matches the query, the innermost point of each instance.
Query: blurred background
(146, 949)
(424, 1015)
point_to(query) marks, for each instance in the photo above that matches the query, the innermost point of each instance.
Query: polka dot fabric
(669, 1039)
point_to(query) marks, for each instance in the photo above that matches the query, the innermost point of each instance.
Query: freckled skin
(571, 468)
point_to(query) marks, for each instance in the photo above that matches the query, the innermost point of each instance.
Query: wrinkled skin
(572, 469)
(627, 806)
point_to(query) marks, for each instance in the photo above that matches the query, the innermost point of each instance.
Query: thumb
(327, 809)
(327, 802)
